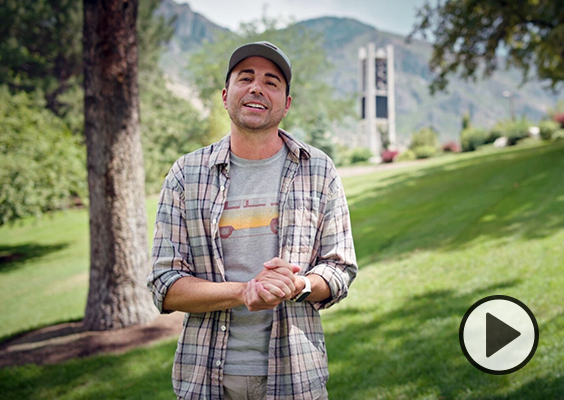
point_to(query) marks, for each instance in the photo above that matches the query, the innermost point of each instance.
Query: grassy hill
(431, 240)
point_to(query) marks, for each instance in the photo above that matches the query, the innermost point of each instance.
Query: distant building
(377, 98)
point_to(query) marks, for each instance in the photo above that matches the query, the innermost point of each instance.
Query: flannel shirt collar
(221, 151)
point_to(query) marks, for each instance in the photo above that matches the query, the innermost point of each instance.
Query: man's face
(256, 95)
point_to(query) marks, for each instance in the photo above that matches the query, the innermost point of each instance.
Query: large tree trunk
(118, 235)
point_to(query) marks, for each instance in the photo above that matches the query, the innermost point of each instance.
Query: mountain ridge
(415, 107)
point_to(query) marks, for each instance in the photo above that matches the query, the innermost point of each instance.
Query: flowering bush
(389, 156)
(451, 147)
(560, 119)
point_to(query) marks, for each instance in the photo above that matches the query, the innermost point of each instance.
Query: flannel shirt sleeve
(336, 261)
(171, 250)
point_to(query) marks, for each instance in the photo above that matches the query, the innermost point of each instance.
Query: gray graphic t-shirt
(249, 237)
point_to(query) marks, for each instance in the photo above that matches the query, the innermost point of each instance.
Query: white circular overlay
(509, 356)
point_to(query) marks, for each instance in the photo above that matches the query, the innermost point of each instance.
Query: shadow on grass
(144, 373)
(413, 351)
(515, 193)
(12, 257)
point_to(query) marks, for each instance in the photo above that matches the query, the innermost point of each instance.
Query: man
(252, 238)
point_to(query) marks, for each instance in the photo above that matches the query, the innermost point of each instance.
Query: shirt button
(222, 188)
(223, 328)
(214, 221)
(218, 363)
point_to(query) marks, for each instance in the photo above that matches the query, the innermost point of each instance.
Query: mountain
(191, 29)
(415, 107)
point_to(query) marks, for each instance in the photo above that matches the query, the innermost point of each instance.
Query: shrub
(425, 151)
(495, 133)
(472, 138)
(360, 154)
(513, 130)
(517, 130)
(389, 155)
(558, 135)
(407, 155)
(547, 128)
(42, 165)
(451, 147)
(342, 155)
(424, 137)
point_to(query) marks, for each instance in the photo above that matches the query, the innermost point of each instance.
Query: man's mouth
(256, 106)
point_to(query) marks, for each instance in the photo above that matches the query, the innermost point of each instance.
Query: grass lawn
(431, 240)
(47, 280)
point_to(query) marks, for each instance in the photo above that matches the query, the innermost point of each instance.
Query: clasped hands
(276, 283)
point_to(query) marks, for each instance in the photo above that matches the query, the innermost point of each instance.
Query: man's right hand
(273, 285)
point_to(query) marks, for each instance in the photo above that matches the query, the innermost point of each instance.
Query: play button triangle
(498, 334)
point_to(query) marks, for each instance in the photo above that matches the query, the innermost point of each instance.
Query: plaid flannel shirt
(314, 233)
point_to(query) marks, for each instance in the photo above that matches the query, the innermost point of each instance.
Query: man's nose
(256, 87)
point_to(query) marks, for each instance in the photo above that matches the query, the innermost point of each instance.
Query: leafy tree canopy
(41, 49)
(468, 34)
(40, 46)
(42, 165)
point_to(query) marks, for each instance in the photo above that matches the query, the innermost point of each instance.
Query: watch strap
(305, 292)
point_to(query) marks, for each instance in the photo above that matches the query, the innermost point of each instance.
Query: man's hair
(229, 77)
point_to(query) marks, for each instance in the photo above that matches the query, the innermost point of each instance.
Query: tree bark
(119, 262)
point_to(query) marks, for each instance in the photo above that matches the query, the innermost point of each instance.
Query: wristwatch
(305, 292)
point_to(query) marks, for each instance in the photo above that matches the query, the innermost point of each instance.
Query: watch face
(302, 297)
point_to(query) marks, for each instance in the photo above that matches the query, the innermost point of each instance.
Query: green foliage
(408, 155)
(360, 154)
(312, 97)
(472, 138)
(424, 137)
(170, 127)
(319, 135)
(468, 33)
(42, 165)
(218, 122)
(547, 128)
(558, 135)
(466, 120)
(495, 132)
(513, 130)
(424, 151)
(42, 50)
(41, 47)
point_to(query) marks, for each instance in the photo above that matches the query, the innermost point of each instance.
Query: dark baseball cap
(262, 49)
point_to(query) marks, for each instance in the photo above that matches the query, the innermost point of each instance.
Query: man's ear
(224, 97)
(288, 102)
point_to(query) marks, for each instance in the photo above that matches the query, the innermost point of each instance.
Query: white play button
(499, 334)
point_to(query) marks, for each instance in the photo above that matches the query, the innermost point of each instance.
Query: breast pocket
(301, 218)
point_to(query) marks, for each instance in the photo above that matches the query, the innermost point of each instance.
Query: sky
(396, 16)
